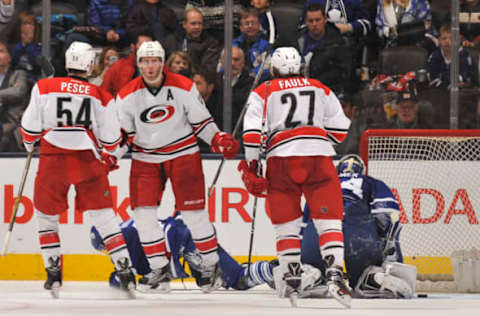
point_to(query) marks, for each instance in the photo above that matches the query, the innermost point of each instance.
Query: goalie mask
(80, 56)
(285, 61)
(151, 68)
(351, 164)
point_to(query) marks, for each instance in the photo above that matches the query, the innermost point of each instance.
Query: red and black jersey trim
(29, 137)
(336, 135)
(111, 145)
(306, 132)
(200, 126)
(184, 143)
(251, 138)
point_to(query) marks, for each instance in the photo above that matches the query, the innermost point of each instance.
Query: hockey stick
(17, 203)
(263, 137)
(271, 41)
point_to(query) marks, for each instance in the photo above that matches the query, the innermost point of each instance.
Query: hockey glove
(29, 147)
(110, 161)
(225, 144)
(255, 185)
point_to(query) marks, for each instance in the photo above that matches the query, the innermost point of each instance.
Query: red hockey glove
(255, 185)
(110, 161)
(225, 144)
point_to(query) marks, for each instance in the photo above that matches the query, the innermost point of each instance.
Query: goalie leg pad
(406, 272)
(379, 282)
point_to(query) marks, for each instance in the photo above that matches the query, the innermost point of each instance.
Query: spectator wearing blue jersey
(253, 43)
(371, 229)
(106, 25)
(262, 6)
(392, 13)
(349, 16)
(438, 65)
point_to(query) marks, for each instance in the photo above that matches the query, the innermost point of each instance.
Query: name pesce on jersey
(75, 87)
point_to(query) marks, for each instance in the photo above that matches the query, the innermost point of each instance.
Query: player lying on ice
(371, 228)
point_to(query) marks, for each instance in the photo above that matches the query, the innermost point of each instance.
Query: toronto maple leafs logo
(157, 114)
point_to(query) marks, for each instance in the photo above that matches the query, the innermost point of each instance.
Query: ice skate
(54, 276)
(126, 277)
(156, 281)
(337, 287)
(210, 279)
(293, 280)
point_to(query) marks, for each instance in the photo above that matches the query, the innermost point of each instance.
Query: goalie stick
(17, 203)
(271, 41)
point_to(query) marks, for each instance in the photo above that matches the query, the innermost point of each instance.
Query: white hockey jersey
(71, 114)
(302, 118)
(163, 124)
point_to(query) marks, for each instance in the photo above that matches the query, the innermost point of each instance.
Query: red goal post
(435, 176)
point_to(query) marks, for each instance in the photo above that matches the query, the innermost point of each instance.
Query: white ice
(96, 298)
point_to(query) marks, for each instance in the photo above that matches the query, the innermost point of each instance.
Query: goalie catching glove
(225, 144)
(255, 185)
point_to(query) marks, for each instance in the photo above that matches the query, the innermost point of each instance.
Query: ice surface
(96, 298)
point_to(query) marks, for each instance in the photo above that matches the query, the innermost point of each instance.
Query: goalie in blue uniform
(180, 244)
(371, 228)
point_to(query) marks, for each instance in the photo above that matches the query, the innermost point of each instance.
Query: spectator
(152, 16)
(438, 65)
(213, 15)
(241, 85)
(392, 13)
(262, 6)
(202, 48)
(253, 43)
(180, 62)
(13, 91)
(349, 16)
(106, 26)
(26, 52)
(408, 112)
(205, 82)
(7, 8)
(327, 57)
(125, 69)
(108, 57)
(469, 22)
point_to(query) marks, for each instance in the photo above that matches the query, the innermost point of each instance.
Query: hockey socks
(260, 272)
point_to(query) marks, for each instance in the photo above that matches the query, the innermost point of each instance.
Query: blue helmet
(96, 239)
(351, 164)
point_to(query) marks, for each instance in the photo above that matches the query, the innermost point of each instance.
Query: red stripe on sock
(204, 246)
(325, 238)
(114, 242)
(49, 238)
(288, 243)
(158, 248)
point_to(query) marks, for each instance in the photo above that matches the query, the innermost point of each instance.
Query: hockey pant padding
(203, 235)
(48, 235)
(108, 226)
(330, 241)
(288, 242)
(151, 236)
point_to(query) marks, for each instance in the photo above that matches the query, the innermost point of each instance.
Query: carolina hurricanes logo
(157, 114)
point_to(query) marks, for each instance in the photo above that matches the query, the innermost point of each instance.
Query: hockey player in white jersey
(73, 120)
(163, 113)
(300, 119)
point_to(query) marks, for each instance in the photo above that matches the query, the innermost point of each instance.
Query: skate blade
(162, 288)
(293, 299)
(54, 291)
(340, 295)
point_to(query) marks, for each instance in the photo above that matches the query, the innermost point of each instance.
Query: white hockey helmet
(79, 56)
(286, 60)
(151, 49)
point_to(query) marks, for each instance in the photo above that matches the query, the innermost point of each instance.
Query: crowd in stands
(346, 44)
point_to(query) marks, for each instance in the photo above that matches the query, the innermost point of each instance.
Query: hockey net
(435, 176)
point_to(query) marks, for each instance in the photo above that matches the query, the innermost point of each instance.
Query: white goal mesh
(435, 175)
